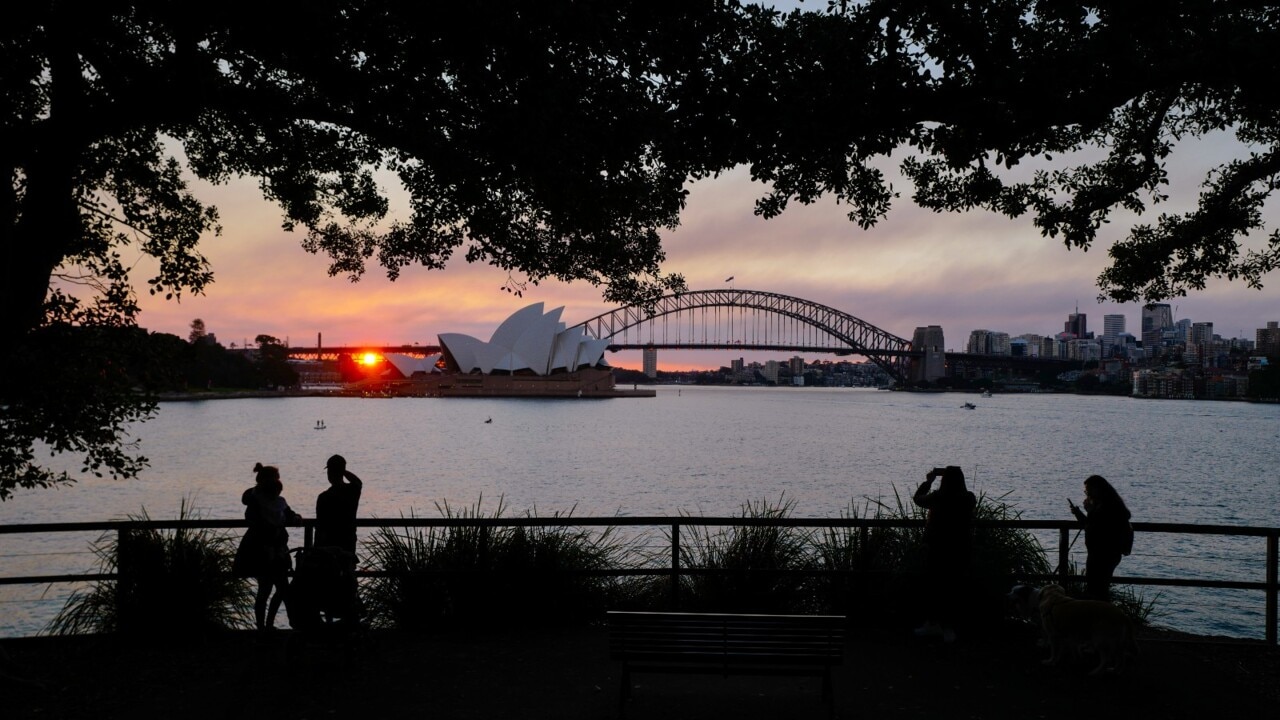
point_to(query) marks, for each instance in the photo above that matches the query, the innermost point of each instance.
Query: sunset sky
(960, 271)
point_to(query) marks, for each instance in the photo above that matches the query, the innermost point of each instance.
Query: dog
(1025, 601)
(1075, 627)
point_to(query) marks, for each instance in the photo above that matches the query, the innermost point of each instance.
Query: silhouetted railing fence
(1271, 535)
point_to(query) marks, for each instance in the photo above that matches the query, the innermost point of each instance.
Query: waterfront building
(797, 365)
(407, 366)
(1163, 384)
(528, 341)
(771, 371)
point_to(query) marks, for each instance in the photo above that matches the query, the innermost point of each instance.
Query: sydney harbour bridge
(749, 320)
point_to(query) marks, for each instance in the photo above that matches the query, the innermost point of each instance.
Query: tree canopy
(556, 139)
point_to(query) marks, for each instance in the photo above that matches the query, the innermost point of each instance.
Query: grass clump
(878, 569)
(749, 568)
(482, 574)
(864, 562)
(168, 581)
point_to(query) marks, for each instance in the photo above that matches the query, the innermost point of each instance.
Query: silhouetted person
(336, 508)
(1107, 534)
(264, 550)
(948, 540)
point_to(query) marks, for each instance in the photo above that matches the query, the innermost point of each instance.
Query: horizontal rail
(640, 521)
(1270, 586)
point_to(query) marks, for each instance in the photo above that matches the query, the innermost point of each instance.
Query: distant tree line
(171, 364)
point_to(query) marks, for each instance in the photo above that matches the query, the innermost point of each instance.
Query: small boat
(320, 425)
(968, 406)
(986, 393)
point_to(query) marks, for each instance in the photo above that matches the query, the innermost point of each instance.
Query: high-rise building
(651, 362)
(797, 366)
(1035, 344)
(979, 342)
(1201, 332)
(771, 370)
(1156, 317)
(1112, 329)
(988, 342)
(1076, 325)
(1268, 339)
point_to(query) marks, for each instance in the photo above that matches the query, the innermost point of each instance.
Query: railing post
(124, 556)
(675, 566)
(1273, 586)
(1064, 553)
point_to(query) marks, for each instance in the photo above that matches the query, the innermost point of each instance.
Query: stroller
(323, 594)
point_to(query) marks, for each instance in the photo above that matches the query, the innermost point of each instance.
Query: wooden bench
(726, 644)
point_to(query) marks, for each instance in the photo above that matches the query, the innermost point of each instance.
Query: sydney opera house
(531, 354)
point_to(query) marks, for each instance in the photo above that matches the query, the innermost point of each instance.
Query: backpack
(1126, 539)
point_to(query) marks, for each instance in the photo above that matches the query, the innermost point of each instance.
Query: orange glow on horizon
(370, 358)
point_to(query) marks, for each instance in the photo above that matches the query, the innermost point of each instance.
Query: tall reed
(171, 581)
(880, 568)
(749, 568)
(490, 574)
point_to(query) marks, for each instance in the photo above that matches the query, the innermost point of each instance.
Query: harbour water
(704, 450)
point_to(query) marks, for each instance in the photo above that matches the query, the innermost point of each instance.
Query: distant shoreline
(244, 394)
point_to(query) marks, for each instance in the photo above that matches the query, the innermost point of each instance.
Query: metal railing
(672, 526)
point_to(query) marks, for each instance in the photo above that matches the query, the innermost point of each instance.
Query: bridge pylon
(933, 364)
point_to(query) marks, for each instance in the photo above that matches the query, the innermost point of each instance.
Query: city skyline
(960, 271)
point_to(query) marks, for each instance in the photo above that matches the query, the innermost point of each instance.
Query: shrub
(167, 581)
(868, 562)
(883, 564)
(479, 574)
(749, 568)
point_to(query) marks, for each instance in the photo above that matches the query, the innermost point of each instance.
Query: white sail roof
(527, 340)
(407, 365)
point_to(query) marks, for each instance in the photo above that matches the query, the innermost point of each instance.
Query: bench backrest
(722, 636)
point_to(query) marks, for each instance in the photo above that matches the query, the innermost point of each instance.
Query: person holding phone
(1107, 534)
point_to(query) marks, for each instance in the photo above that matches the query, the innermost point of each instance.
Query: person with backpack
(1107, 534)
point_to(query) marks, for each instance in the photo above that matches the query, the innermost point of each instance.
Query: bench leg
(624, 690)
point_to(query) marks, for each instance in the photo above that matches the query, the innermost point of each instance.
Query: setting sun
(369, 359)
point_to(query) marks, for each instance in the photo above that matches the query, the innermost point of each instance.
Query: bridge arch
(684, 320)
